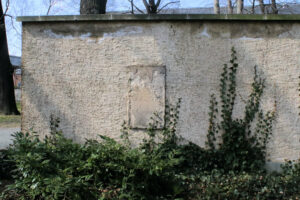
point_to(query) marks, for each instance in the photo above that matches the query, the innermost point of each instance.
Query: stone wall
(96, 74)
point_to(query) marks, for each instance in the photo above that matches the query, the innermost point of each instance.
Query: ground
(9, 124)
(6, 138)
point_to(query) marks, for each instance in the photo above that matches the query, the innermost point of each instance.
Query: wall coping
(159, 17)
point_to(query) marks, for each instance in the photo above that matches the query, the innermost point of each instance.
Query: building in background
(16, 63)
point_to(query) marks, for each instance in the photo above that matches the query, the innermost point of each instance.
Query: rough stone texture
(81, 71)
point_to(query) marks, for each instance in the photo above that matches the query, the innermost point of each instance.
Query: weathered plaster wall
(83, 73)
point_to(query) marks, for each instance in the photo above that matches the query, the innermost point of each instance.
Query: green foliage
(6, 165)
(244, 186)
(57, 168)
(238, 148)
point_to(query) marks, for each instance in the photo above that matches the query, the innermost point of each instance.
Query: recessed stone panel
(146, 96)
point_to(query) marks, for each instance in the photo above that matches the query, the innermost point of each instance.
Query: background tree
(216, 6)
(151, 6)
(239, 6)
(274, 7)
(229, 7)
(154, 6)
(262, 6)
(51, 4)
(7, 94)
(92, 7)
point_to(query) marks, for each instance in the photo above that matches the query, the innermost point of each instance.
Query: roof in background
(283, 9)
(15, 61)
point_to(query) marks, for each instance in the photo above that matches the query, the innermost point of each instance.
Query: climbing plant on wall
(239, 146)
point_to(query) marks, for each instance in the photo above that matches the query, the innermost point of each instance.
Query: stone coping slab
(158, 17)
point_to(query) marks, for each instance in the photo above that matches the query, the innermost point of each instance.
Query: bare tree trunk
(7, 94)
(253, 7)
(216, 7)
(92, 7)
(229, 7)
(132, 6)
(274, 7)
(262, 6)
(151, 6)
(239, 6)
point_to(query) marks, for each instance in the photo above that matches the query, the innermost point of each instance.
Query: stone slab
(146, 96)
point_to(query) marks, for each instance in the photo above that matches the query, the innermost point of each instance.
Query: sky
(71, 7)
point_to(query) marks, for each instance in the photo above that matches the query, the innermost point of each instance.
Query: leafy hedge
(243, 185)
(57, 168)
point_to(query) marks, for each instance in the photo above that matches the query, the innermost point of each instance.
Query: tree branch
(134, 6)
(131, 4)
(151, 3)
(274, 7)
(147, 6)
(262, 6)
(157, 3)
(172, 2)
(49, 8)
(12, 18)
(6, 10)
(51, 4)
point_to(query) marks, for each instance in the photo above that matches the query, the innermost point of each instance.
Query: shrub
(6, 165)
(244, 186)
(57, 168)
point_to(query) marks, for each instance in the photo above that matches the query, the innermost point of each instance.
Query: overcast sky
(71, 7)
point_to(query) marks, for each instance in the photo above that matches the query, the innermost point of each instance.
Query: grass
(11, 120)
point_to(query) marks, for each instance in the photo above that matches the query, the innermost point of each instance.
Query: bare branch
(147, 6)
(49, 9)
(262, 6)
(138, 9)
(12, 18)
(151, 3)
(173, 2)
(131, 4)
(134, 6)
(274, 7)
(152, 7)
(157, 3)
(50, 6)
(7, 15)
(6, 10)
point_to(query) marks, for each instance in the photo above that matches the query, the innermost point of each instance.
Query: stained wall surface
(96, 75)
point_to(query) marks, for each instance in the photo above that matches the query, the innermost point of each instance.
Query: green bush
(6, 165)
(57, 168)
(244, 186)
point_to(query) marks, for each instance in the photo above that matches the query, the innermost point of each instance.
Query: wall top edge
(159, 17)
